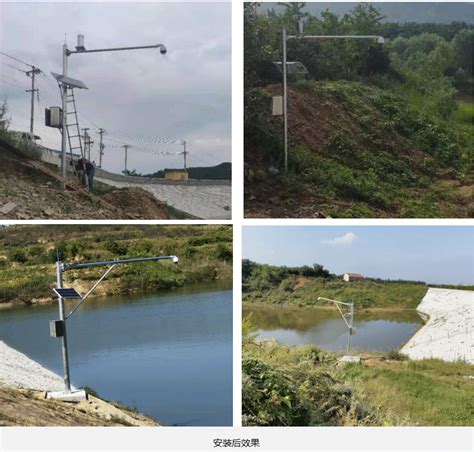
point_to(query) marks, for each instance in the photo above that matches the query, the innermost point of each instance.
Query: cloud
(343, 240)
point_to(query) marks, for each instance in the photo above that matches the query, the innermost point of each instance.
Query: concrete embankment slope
(22, 403)
(449, 332)
(19, 371)
(206, 199)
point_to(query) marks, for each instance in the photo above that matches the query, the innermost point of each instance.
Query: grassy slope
(365, 294)
(204, 251)
(356, 151)
(429, 392)
(303, 386)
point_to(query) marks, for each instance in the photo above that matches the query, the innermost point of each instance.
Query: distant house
(352, 277)
(176, 175)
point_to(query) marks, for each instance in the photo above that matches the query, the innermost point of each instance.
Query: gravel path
(19, 371)
(449, 332)
(209, 202)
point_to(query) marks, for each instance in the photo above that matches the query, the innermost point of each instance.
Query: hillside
(28, 253)
(355, 151)
(223, 171)
(301, 286)
(31, 190)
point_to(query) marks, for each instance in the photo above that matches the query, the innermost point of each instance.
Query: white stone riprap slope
(19, 371)
(449, 332)
(209, 202)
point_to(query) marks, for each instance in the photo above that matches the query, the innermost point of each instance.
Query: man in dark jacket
(88, 168)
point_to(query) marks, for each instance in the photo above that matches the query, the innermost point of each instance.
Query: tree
(463, 46)
(4, 121)
(364, 19)
(294, 12)
(247, 268)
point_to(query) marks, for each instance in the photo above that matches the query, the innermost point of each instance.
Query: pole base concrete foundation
(350, 359)
(77, 395)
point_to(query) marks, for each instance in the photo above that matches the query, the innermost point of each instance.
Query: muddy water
(169, 355)
(376, 331)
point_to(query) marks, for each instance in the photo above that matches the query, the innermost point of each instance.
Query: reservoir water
(374, 331)
(169, 355)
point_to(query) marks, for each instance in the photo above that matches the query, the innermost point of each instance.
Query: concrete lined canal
(324, 328)
(167, 355)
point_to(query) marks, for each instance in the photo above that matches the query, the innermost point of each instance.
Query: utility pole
(101, 132)
(86, 143)
(34, 71)
(126, 146)
(184, 153)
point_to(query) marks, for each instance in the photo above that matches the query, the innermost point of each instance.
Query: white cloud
(345, 239)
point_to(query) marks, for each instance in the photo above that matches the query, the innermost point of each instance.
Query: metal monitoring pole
(58, 328)
(285, 105)
(349, 321)
(64, 118)
(34, 71)
(101, 132)
(285, 38)
(62, 318)
(126, 147)
(81, 49)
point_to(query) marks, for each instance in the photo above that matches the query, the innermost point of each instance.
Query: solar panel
(71, 82)
(292, 67)
(67, 292)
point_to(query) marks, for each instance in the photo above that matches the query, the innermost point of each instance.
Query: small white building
(348, 277)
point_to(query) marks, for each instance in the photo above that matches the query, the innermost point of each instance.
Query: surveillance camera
(163, 50)
(381, 40)
(175, 259)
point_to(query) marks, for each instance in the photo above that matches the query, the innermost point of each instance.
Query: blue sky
(435, 254)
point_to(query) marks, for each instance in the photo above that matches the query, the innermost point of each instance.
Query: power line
(14, 67)
(16, 59)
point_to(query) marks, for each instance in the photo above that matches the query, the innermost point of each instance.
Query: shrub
(17, 255)
(116, 248)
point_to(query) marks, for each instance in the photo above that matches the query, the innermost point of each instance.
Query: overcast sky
(185, 94)
(440, 255)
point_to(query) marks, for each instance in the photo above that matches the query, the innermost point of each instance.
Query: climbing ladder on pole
(73, 129)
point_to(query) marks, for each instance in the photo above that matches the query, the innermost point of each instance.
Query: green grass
(465, 113)
(304, 386)
(430, 392)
